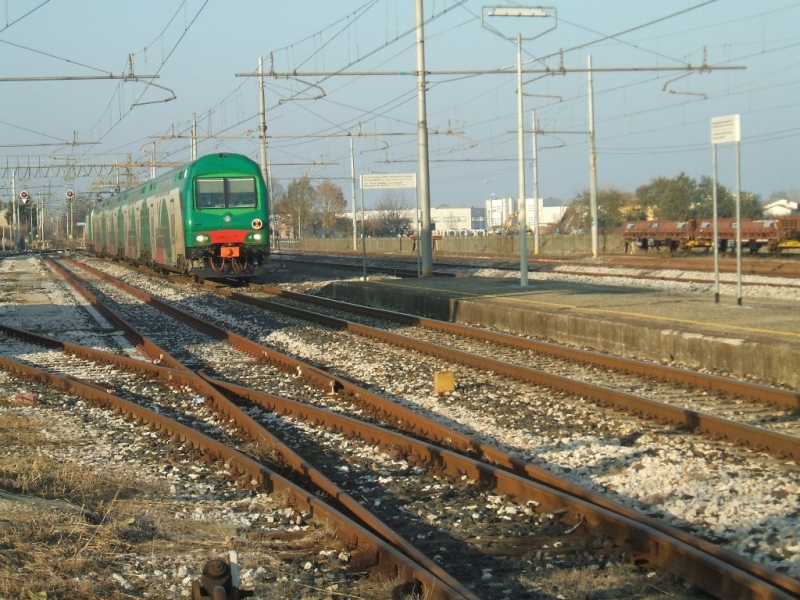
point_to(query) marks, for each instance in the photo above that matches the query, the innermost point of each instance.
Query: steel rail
(789, 399)
(771, 441)
(371, 552)
(427, 428)
(632, 531)
(247, 425)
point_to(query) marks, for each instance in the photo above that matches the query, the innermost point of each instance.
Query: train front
(226, 218)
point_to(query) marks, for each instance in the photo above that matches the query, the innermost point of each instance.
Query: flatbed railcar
(207, 219)
(774, 234)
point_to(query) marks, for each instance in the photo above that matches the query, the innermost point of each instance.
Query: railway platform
(759, 339)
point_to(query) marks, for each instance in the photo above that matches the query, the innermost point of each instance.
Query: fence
(487, 245)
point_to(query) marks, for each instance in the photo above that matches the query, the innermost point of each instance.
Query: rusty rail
(371, 552)
(785, 398)
(772, 441)
(683, 559)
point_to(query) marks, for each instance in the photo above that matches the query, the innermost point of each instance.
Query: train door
(129, 226)
(139, 216)
(156, 237)
(177, 232)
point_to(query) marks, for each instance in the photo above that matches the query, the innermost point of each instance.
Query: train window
(705, 225)
(241, 192)
(629, 226)
(210, 193)
(654, 226)
(229, 192)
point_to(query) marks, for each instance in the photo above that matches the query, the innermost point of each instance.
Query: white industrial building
(499, 216)
(503, 214)
(447, 221)
(780, 208)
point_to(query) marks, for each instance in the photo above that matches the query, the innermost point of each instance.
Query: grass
(67, 531)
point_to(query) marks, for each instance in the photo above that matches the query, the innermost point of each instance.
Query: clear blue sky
(198, 46)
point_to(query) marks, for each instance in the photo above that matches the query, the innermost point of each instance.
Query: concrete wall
(489, 245)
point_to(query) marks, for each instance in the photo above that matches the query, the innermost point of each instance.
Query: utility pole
(523, 212)
(592, 164)
(262, 134)
(14, 210)
(353, 190)
(535, 168)
(426, 243)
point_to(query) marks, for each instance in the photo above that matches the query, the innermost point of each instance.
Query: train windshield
(225, 192)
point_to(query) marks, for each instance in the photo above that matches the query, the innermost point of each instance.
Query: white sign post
(727, 130)
(377, 181)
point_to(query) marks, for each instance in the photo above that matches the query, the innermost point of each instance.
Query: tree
(393, 217)
(612, 206)
(332, 203)
(750, 204)
(793, 194)
(683, 198)
(343, 227)
(675, 199)
(297, 209)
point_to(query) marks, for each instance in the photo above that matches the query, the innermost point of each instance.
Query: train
(207, 219)
(776, 235)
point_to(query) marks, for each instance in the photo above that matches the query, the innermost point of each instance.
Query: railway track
(698, 271)
(723, 407)
(449, 467)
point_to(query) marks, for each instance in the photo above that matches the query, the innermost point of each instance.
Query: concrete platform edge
(735, 356)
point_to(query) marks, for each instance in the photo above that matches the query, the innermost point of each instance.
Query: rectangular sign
(388, 180)
(725, 130)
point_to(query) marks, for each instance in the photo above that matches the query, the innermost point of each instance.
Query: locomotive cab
(226, 235)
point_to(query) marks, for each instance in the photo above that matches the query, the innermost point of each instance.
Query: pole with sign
(727, 130)
(70, 195)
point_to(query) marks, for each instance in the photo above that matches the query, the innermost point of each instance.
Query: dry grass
(67, 531)
(615, 581)
(60, 522)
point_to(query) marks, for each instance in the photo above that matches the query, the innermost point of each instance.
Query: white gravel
(753, 503)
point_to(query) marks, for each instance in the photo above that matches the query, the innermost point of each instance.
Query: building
(446, 221)
(503, 214)
(459, 221)
(780, 208)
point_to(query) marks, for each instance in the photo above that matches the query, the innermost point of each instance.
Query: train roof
(222, 162)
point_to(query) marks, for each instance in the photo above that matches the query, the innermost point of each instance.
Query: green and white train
(208, 219)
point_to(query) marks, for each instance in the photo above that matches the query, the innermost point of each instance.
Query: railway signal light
(70, 194)
(23, 196)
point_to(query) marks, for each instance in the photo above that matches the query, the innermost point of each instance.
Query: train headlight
(202, 238)
(254, 237)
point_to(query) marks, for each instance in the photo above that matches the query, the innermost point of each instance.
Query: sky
(345, 70)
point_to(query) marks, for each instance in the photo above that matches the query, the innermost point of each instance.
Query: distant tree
(392, 214)
(750, 204)
(332, 204)
(684, 198)
(298, 208)
(612, 208)
(276, 191)
(665, 198)
(343, 227)
(793, 195)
